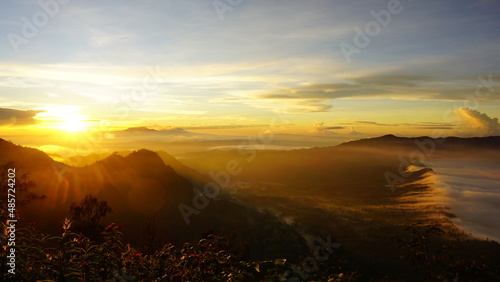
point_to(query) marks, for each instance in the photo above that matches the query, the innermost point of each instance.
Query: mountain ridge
(484, 142)
(141, 186)
(144, 129)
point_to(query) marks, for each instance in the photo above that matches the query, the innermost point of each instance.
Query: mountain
(138, 187)
(197, 178)
(139, 129)
(190, 174)
(28, 156)
(424, 142)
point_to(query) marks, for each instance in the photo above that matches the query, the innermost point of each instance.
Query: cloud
(416, 125)
(308, 106)
(430, 125)
(480, 123)
(373, 123)
(434, 127)
(17, 117)
(322, 91)
(320, 128)
(404, 87)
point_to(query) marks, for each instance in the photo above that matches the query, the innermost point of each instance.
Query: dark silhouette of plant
(421, 251)
(88, 214)
(32, 250)
(73, 257)
(66, 255)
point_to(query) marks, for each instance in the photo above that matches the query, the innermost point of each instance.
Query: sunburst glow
(67, 118)
(73, 124)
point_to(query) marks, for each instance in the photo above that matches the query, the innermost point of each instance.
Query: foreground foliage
(74, 257)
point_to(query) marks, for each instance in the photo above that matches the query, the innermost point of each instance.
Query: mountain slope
(138, 187)
(356, 169)
(427, 144)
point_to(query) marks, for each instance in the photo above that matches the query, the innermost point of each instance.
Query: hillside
(138, 187)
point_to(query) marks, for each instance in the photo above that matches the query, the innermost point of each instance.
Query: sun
(64, 117)
(73, 124)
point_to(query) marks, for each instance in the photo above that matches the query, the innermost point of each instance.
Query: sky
(335, 69)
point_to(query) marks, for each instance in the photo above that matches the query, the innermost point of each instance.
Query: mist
(471, 189)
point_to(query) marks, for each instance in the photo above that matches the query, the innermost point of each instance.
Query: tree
(421, 251)
(87, 215)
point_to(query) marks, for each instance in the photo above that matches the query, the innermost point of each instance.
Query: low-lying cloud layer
(470, 188)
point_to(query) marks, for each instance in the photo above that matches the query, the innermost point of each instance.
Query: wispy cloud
(321, 128)
(414, 125)
(394, 87)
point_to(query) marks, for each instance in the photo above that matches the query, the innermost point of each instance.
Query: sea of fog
(471, 189)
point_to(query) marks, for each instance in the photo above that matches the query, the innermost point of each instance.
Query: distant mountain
(139, 129)
(143, 129)
(448, 143)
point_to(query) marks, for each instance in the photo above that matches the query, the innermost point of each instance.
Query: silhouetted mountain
(143, 129)
(448, 143)
(28, 156)
(139, 129)
(138, 187)
(192, 175)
